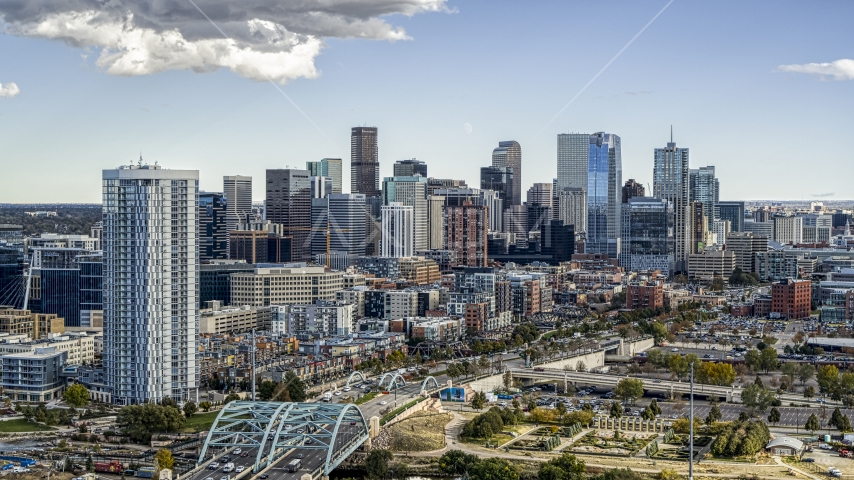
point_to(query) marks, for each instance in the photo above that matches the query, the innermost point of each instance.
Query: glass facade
(213, 237)
(61, 294)
(670, 179)
(734, 212)
(509, 155)
(498, 179)
(705, 188)
(648, 241)
(604, 194)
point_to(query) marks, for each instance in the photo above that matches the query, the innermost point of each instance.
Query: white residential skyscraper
(671, 182)
(398, 231)
(151, 280)
(238, 200)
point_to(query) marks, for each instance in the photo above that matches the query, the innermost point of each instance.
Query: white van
(228, 467)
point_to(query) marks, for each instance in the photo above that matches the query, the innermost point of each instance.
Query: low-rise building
(419, 270)
(33, 376)
(35, 325)
(219, 319)
(79, 347)
(640, 295)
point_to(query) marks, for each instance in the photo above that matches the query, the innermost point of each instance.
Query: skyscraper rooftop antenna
(671, 133)
(140, 159)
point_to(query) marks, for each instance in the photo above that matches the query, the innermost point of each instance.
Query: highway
(584, 378)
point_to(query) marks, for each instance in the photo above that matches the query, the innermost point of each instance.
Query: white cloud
(838, 70)
(269, 39)
(9, 90)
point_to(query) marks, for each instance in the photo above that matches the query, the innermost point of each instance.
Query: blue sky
(506, 68)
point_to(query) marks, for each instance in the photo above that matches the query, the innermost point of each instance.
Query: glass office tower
(734, 212)
(647, 235)
(509, 155)
(705, 188)
(604, 194)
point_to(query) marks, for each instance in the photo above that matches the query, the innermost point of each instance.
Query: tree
(163, 459)
(809, 391)
(828, 378)
(230, 398)
(478, 401)
(629, 390)
(140, 421)
(565, 467)
(457, 463)
(812, 424)
(616, 410)
(717, 284)
(768, 359)
(753, 360)
(376, 464)
(844, 424)
(90, 464)
(190, 408)
(266, 389)
(206, 406)
(648, 414)
(774, 416)
(653, 405)
(508, 379)
(76, 396)
(493, 469)
(714, 415)
(756, 397)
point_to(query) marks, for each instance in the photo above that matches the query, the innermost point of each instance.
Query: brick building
(644, 295)
(791, 299)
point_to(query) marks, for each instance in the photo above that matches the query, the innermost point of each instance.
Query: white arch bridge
(321, 435)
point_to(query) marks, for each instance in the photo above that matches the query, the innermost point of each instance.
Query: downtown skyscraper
(238, 200)
(289, 204)
(604, 194)
(364, 162)
(329, 168)
(705, 188)
(151, 279)
(509, 155)
(671, 182)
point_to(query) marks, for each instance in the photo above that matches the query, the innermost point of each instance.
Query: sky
(762, 90)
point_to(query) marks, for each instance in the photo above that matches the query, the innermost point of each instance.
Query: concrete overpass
(732, 394)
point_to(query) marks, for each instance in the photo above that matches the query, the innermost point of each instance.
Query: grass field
(21, 425)
(200, 421)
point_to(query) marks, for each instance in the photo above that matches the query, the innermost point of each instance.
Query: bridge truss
(274, 428)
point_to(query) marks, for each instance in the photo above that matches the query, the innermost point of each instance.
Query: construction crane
(328, 231)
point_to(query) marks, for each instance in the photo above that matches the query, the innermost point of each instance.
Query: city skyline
(223, 124)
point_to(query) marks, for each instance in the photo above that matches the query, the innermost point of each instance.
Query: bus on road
(294, 465)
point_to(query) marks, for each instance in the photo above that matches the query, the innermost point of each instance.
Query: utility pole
(691, 433)
(252, 366)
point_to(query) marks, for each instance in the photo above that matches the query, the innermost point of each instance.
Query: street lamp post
(691, 433)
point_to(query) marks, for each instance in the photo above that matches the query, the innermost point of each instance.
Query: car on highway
(502, 404)
(213, 466)
(239, 469)
(337, 392)
(674, 349)
(299, 455)
(347, 389)
(237, 451)
(383, 403)
(225, 477)
(264, 477)
(656, 381)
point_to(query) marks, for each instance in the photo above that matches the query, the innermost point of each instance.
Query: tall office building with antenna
(671, 182)
(364, 162)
